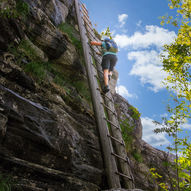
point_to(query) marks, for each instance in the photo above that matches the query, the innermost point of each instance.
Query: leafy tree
(107, 33)
(176, 62)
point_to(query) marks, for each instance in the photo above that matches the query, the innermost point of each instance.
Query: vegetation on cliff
(177, 65)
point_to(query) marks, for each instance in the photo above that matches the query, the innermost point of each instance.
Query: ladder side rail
(110, 163)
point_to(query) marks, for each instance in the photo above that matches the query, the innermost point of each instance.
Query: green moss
(134, 113)
(28, 59)
(27, 49)
(59, 80)
(127, 130)
(21, 9)
(166, 163)
(5, 183)
(71, 32)
(83, 89)
(24, 51)
(137, 156)
(36, 69)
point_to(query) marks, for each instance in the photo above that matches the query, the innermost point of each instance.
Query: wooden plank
(84, 8)
(110, 164)
(113, 112)
(97, 77)
(119, 157)
(124, 175)
(109, 99)
(113, 138)
(112, 123)
(87, 20)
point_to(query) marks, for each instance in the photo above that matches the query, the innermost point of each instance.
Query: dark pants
(108, 62)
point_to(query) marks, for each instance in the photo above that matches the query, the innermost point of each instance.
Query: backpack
(111, 46)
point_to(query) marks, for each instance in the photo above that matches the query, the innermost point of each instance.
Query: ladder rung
(112, 124)
(107, 97)
(84, 8)
(85, 13)
(95, 50)
(124, 175)
(94, 66)
(100, 71)
(119, 157)
(98, 61)
(89, 30)
(98, 78)
(114, 113)
(128, 161)
(113, 138)
(90, 27)
(97, 69)
(95, 53)
(99, 90)
(86, 17)
(90, 52)
(88, 33)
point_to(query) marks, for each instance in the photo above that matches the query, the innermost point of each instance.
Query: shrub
(5, 183)
(127, 130)
(134, 112)
(137, 156)
(8, 10)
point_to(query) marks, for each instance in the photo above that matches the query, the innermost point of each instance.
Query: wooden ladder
(113, 147)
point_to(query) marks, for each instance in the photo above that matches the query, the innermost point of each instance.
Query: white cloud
(164, 115)
(149, 136)
(122, 90)
(186, 126)
(122, 18)
(145, 49)
(154, 35)
(139, 23)
(148, 67)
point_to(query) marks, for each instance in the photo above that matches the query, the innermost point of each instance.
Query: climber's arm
(96, 43)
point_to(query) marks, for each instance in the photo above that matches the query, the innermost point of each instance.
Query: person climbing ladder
(109, 59)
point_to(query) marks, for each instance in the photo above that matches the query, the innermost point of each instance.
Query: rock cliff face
(48, 135)
(142, 156)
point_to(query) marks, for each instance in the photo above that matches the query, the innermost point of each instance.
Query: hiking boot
(106, 89)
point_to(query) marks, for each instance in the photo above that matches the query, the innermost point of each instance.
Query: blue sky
(136, 28)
